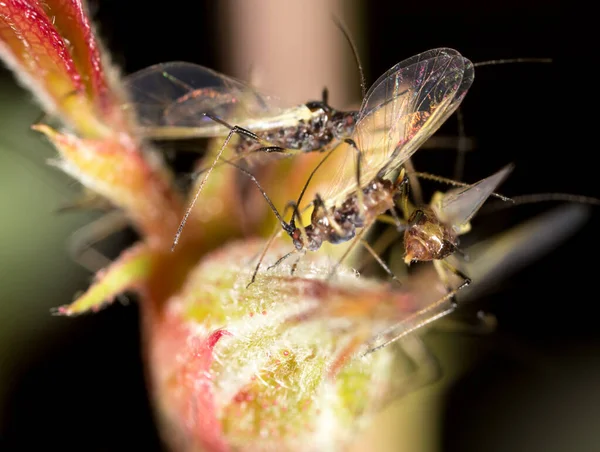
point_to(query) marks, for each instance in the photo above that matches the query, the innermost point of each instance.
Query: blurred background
(77, 384)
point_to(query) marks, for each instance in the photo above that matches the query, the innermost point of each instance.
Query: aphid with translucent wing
(179, 100)
(432, 231)
(182, 100)
(402, 109)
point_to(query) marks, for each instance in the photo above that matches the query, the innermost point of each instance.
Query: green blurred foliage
(36, 273)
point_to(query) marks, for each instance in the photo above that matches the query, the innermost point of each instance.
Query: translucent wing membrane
(402, 109)
(172, 100)
(458, 206)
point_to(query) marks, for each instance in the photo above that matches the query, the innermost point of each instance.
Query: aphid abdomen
(335, 238)
(316, 134)
(378, 197)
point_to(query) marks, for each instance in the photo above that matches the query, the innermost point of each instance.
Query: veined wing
(402, 109)
(456, 207)
(171, 100)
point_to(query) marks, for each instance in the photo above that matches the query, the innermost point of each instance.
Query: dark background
(516, 112)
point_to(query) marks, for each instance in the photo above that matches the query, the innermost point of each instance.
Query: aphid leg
(393, 220)
(400, 225)
(318, 203)
(281, 259)
(295, 264)
(188, 211)
(359, 192)
(233, 130)
(419, 319)
(441, 266)
(245, 133)
(312, 174)
(414, 183)
(356, 240)
(286, 226)
(382, 243)
(80, 245)
(462, 253)
(459, 164)
(273, 236)
(380, 261)
(296, 216)
(427, 367)
(486, 324)
(403, 184)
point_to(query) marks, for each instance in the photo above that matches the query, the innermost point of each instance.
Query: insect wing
(172, 100)
(408, 104)
(458, 206)
(402, 109)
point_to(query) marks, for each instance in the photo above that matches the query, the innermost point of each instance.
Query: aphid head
(306, 240)
(343, 123)
(427, 238)
(317, 105)
(297, 239)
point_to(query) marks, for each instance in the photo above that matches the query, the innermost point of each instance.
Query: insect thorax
(322, 131)
(427, 238)
(338, 224)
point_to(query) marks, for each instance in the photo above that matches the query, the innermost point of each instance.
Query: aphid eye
(416, 217)
(296, 234)
(315, 106)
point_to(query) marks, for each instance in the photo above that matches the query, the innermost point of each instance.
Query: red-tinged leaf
(118, 171)
(195, 394)
(101, 82)
(71, 21)
(35, 50)
(129, 272)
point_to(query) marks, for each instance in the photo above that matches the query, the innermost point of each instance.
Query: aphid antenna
(268, 149)
(455, 183)
(542, 197)
(308, 180)
(325, 96)
(232, 131)
(511, 61)
(443, 265)
(462, 148)
(288, 227)
(338, 22)
(291, 226)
